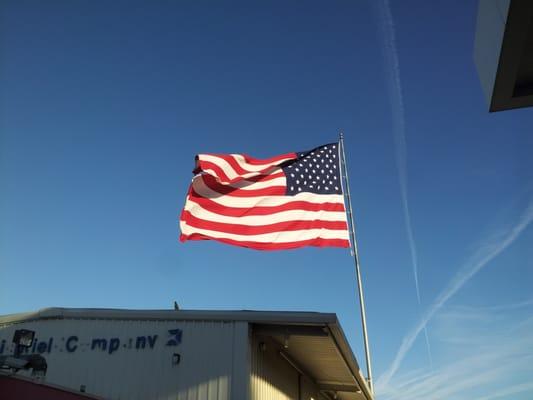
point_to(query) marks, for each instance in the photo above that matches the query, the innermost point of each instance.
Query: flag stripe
(271, 190)
(243, 229)
(220, 209)
(216, 171)
(270, 218)
(261, 178)
(228, 169)
(270, 237)
(316, 242)
(246, 159)
(203, 190)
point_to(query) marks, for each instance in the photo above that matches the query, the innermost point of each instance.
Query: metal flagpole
(356, 260)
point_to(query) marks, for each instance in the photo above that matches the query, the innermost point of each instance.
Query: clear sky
(103, 106)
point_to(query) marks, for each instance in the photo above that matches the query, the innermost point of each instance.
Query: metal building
(185, 355)
(503, 52)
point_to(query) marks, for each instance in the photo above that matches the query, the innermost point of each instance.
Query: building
(503, 52)
(183, 355)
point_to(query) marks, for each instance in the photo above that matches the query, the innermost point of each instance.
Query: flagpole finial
(341, 135)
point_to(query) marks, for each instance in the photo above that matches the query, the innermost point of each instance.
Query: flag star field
(315, 171)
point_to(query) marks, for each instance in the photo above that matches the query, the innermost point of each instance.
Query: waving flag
(284, 202)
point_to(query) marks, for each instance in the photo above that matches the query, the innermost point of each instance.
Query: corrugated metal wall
(124, 359)
(273, 378)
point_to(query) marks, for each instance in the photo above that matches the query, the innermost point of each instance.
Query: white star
(336, 188)
(292, 175)
(297, 182)
(299, 189)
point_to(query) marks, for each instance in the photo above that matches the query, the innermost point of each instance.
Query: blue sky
(104, 105)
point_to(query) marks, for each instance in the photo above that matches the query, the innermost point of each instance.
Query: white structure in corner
(192, 355)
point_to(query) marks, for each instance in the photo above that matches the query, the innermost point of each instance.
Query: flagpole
(355, 255)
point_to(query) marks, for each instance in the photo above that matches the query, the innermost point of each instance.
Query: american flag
(284, 202)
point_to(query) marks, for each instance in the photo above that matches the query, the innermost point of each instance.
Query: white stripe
(258, 220)
(239, 158)
(250, 185)
(261, 201)
(274, 237)
(246, 184)
(228, 169)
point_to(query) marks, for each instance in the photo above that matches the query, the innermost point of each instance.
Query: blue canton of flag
(316, 171)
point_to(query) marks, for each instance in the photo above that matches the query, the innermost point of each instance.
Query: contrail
(503, 307)
(486, 253)
(398, 115)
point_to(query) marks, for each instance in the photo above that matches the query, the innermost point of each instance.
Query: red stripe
(211, 183)
(318, 242)
(260, 210)
(271, 160)
(264, 178)
(237, 167)
(240, 229)
(265, 161)
(221, 175)
(203, 165)
(240, 170)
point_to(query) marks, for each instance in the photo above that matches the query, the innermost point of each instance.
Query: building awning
(320, 352)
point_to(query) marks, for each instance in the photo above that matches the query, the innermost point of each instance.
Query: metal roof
(318, 346)
(289, 317)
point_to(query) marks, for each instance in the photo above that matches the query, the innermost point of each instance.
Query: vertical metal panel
(273, 378)
(240, 373)
(140, 366)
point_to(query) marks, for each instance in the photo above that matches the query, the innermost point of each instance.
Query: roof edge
(347, 355)
(284, 317)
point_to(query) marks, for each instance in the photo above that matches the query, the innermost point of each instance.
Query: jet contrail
(398, 115)
(486, 253)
